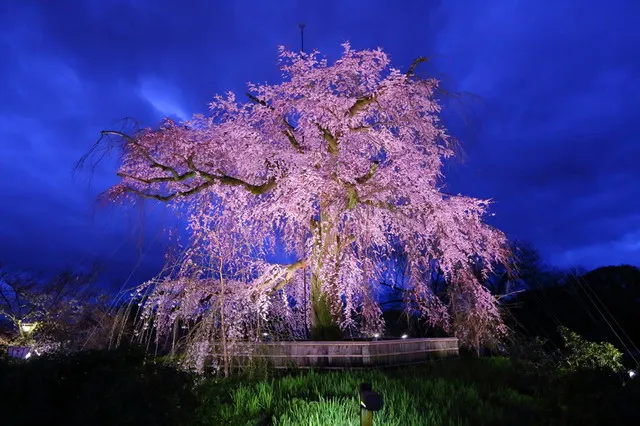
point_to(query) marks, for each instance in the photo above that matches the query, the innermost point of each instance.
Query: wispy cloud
(556, 143)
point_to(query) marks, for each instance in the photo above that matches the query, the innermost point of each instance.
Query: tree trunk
(223, 327)
(324, 314)
(324, 324)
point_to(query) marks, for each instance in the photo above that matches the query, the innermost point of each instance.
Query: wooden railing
(343, 354)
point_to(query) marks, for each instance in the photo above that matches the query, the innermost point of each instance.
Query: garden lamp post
(22, 352)
(370, 402)
(27, 327)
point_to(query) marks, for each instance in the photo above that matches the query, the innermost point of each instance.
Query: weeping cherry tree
(340, 163)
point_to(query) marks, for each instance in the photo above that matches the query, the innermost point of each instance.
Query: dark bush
(330, 332)
(598, 397)
(94, 387)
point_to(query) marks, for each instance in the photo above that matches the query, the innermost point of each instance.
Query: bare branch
(414, 64)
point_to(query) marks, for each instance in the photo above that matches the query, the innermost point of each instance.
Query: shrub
(536, 362)
(522, 348)
(581, 354)
(330, 332)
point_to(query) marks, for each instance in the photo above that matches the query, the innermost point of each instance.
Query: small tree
(60, 308)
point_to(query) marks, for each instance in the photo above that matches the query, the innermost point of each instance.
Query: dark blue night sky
(554, 136)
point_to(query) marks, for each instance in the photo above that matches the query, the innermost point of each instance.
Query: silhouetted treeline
(601, 305)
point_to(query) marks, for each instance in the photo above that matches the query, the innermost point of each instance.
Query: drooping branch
(142, 150)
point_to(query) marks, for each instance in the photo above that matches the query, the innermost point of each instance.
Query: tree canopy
(341, 162)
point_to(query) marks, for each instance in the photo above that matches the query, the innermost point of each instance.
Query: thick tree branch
(332, 141)
(365, 101)
(258, 101)
(230, 180)
(372, 169)
(288, 132)
(149, 181)
(289, 275)
(171, 196)
(254, 189)
(292, 139)
(283, 277)
(380, 205)
(211, 179)
(344, 243)
(414, 65)
(369, 126)
(175, 176)
(360, 104)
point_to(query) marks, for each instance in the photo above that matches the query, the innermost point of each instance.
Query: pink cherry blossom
(339, 163)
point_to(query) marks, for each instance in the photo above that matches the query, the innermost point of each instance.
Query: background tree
(65, 308)
(601, 305)
(340, 162)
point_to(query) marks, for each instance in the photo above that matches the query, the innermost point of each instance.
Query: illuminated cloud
(554, 140)
(163, 97)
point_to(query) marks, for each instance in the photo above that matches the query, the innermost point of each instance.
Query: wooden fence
(346, 354)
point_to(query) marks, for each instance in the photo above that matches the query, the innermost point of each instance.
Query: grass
(454, 392)
(488, 391)
(119, 389)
